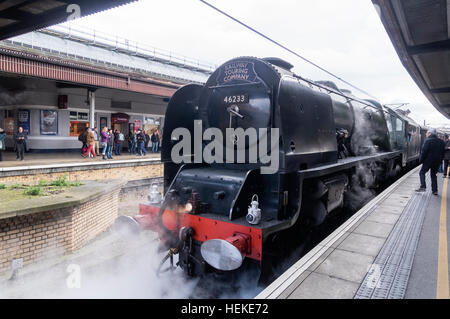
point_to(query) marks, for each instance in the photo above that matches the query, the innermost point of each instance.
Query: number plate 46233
(238, 98)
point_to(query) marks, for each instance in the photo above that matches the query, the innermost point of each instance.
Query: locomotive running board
(347, 163)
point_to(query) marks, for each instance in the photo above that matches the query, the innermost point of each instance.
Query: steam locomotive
(225, 215)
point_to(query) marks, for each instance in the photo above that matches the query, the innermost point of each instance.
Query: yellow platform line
(442, 290)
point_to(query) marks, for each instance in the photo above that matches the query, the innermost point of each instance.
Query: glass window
(8, 113)
(83, 116)
(399, 125)
(149, 120)
(388, 122)
(76, 127)
(9, 125)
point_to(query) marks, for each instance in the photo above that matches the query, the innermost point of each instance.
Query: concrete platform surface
(394, 247)
(31, 159)
(67, 197)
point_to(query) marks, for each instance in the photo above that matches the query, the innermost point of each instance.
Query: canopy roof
(420, 33)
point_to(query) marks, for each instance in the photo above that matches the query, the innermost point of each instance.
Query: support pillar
(91, 95)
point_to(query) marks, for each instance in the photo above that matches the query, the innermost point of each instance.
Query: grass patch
(75, 184)
(33, 191)
(9, 192)
(61, 181)
(42, 182)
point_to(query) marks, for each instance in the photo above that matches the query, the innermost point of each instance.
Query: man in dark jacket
(431, 157)
(132, 143)
(147, 139)
(20, 141)
(2, 142)
(140, 137)
(110, 144)
(447, 154)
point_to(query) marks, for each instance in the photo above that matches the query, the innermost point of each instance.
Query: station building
(54, 115)
(56, 82)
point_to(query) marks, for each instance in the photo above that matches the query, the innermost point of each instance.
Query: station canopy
(22, 16)
(420, 33)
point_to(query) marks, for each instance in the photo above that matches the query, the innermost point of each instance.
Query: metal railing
(114, 42)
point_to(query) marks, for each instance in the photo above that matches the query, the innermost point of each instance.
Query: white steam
(105, 273)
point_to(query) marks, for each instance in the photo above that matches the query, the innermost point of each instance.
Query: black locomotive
(220, 216)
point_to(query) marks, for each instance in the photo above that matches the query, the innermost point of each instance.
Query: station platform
(395, 247)
(51, 166)
(31, 159)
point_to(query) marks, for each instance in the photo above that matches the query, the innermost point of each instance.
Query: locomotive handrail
(330, 90)
(347, 163)
(302, 174)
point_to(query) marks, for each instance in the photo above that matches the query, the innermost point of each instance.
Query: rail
(117, 43)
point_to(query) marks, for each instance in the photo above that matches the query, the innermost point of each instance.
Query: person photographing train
(431, 157)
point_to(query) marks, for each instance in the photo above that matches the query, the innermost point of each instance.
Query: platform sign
(49, 122)
(120, 118)
(23, 120)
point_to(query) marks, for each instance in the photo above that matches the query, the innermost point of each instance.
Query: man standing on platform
(110, 144)
(431, 157)
(20, 141)
(120, 138)
(140, 137)
(96, 139)
(2, 142)
(447, 154)
(132, 142)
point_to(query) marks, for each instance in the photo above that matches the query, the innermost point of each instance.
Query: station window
(79, 116)
(78, 122)
(8, 113)
(76, 127)
(82, 116)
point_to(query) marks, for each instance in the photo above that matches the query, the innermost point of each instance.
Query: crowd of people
(435, 153)
(110, 141)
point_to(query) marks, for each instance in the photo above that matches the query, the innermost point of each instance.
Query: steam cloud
(8, 97)
(103, 275)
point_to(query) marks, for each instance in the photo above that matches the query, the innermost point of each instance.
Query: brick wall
(38, 236)
(79, 174)
(92, 218)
